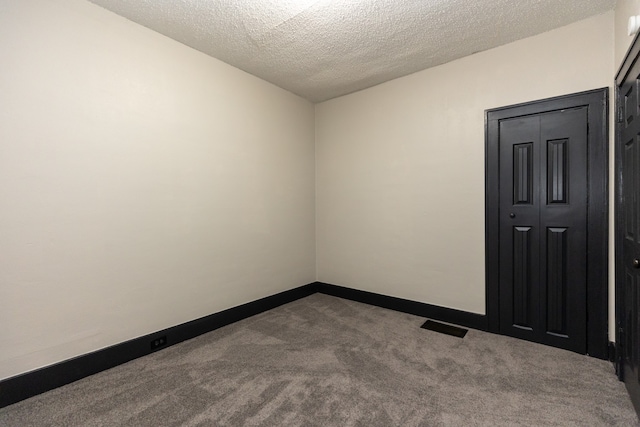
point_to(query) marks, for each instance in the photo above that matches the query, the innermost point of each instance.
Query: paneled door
(546, 188)
(543, 228)
(628, 223)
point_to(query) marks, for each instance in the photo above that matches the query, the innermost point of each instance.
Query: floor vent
(445, 329)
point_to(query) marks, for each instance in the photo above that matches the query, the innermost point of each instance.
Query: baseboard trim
(443, 314)
(24, 386)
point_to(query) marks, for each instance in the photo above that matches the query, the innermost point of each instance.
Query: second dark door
(543, 228)
(628, 224)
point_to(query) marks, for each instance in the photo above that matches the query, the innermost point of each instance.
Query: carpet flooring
(325, 361)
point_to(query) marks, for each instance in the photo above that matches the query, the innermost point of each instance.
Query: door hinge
(620, 115)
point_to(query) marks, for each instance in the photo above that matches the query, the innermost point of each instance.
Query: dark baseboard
(24, 386)
(449, 315)
(32, 383)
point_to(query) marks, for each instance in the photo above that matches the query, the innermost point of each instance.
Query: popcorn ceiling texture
(321, 49)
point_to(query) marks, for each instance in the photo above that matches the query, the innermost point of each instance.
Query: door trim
(597, 211)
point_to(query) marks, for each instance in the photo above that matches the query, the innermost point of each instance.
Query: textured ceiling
(320, 49)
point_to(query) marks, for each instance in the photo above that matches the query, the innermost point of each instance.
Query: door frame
(597, 210)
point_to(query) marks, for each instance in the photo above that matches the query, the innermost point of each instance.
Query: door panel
(557, 281)
(629, 325)
(557, 171)
(523, 174)
(543, 213)
(519, 227)
(563, 217)
(522, 284)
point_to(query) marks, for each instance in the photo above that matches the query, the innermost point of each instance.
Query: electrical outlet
(159, 342)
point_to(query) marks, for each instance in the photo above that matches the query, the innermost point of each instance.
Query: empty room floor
(326, 361)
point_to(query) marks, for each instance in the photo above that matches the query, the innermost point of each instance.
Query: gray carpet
(324, 361)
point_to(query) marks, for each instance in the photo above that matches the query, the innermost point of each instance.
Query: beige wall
(624, 10)
(142, 183)
(400, 167)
